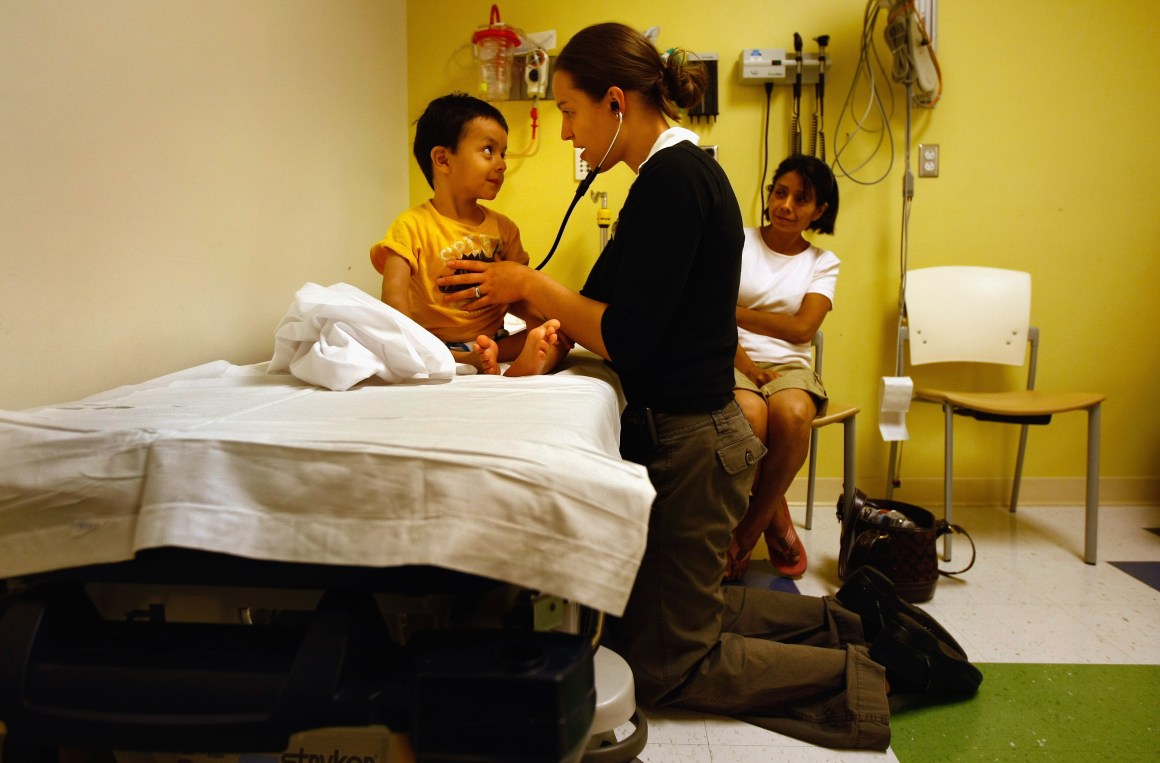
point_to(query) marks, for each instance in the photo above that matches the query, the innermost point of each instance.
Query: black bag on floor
(897, 538)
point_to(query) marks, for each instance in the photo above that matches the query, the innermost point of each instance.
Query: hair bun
(685, 80)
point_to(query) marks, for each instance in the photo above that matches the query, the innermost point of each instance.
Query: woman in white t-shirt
(787, 287)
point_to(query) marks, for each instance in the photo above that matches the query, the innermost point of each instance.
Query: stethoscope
(584, 184)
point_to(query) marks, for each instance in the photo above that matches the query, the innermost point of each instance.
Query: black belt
(644, 418)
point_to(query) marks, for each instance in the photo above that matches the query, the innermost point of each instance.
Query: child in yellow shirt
(460, 144)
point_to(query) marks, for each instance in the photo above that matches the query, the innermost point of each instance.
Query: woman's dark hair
(818, 180)
(616, 55)
(443, 124)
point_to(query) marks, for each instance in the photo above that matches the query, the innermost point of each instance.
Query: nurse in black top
(660, 306)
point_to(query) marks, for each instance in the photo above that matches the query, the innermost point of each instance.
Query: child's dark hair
(817, 179)
(443, 124)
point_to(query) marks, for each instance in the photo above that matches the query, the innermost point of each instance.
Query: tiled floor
(1028, 599)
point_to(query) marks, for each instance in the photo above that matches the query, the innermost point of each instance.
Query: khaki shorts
(791, 376)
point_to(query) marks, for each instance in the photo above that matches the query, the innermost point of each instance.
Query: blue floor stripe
(1145, 572)
(761, 575)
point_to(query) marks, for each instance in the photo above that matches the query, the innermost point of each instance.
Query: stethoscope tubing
(581, 190)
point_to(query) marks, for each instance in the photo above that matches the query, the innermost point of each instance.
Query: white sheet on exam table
(514, 479)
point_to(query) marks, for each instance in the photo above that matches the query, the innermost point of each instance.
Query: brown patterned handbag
(899, 540)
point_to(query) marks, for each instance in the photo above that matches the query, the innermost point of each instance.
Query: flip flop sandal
(781, 561)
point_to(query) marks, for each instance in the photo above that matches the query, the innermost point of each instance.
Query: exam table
(220, 557)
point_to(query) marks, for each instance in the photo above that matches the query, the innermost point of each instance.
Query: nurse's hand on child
(493, 282)
(508, 283)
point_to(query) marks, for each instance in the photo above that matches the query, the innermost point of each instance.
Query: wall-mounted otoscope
(796, 119)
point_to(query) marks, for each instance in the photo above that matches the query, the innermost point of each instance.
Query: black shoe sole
(918, 662)
(871, 594)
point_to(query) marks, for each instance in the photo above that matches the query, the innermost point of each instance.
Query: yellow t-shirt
(427, 241)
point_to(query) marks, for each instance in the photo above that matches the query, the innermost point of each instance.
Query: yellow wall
(1048, 165)
(171, 172)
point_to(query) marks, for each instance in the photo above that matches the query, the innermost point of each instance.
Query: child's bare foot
(540, 352)
(488, 352)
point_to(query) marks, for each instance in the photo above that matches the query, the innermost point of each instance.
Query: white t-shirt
(777, 283)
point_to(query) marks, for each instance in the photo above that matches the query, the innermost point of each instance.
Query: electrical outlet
(928, 160)
(712, 151)
(582, 167)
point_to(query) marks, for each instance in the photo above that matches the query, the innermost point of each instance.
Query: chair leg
(890, 472)
(810, 479)
(948, 476)
(849, 481)
(1091, 521)
(1019, 467)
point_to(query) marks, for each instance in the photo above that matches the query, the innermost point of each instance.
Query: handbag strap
(860, 551)
(946, 527)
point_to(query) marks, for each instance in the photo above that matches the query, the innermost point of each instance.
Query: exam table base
(72, 677)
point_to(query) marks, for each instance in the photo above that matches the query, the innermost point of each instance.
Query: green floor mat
(1037, 713)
